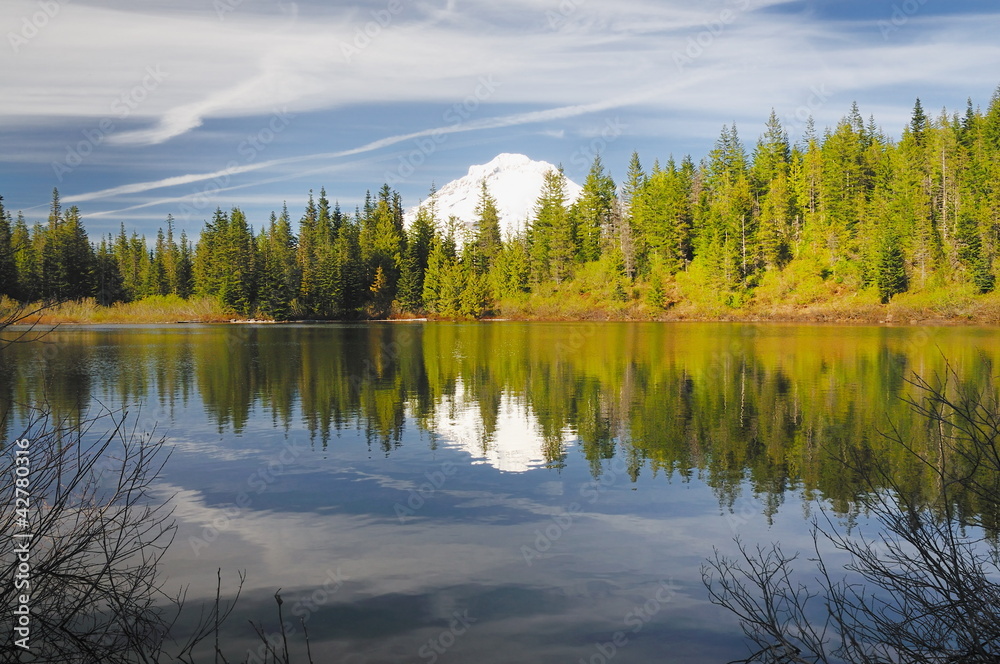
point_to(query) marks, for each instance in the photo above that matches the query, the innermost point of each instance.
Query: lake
(494, 492)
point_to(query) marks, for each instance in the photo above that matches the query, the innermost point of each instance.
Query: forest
(848, 215)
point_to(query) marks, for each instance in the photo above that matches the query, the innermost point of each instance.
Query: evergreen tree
(771, 156)
(486, 237)
(550, 235)
(306, 259)
(382, 246)
(593, 212)
(970, 253)
(635, 178)
(890, 275)
(414, 267)
(109, 287)
(918, 123)
(157, 278)
(67, 257)
(26, 262)
(510, 277)
(726, 226)
(439, 284)
(8, 264)
(237, 287)
(185, 267)
(662, 217)
(278, 275)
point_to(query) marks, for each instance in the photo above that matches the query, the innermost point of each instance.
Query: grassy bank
(160, 309)
(568, 303)
(678, 301)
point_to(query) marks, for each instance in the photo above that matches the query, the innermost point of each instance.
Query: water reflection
(779, 405)
(546, 478)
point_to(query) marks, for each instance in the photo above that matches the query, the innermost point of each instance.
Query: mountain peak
(514, 180)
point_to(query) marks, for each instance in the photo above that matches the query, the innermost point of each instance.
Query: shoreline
(919, 310)
(744, 318)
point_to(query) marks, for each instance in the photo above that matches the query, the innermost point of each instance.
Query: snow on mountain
(516, 444)
(515, 182)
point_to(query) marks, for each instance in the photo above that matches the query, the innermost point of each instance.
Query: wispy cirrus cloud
(371, 78)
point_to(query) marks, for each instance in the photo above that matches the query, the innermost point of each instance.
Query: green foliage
(890, 270)
(415, 260)
(593, 211)
(551, 236)
(844, 213)
(278, 278)
(486, 240)
(8, 264)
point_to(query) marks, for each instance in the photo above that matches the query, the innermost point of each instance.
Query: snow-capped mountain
(514, 180)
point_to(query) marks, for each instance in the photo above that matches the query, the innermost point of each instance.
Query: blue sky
(137, 110)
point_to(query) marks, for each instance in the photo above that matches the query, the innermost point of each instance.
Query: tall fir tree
(550, 235)
(8, 264)
(593, 213)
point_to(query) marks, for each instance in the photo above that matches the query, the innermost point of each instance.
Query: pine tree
(382, 245)
(67, 257)
(635, 178)
(308, 297)
(185, 267)
(171, 260)
(510, 277)
(726, 226)
(771, 156)
(8, 264)
(157, 278)
(890, 275)
(207, 255)
(970, 253)
(662, 217)
(109, 287)
(26, 262)
(593, 212)
(418, 247)
(486, 236)
(237, 287)
(438, 279)
(918, 123)
(843, 188)
(278, 276)
(550, 234)
(776, 215)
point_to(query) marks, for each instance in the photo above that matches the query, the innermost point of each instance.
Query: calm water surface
(497, 492)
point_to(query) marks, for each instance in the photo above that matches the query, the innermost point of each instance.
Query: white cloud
(699, 64)
(87, 58)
